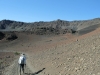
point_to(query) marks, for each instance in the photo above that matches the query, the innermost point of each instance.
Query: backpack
(22, 61)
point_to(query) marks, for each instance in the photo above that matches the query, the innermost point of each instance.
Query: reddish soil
(60, 54)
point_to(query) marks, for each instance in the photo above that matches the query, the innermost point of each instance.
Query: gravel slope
(78, 56)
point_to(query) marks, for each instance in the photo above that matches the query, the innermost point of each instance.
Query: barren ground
(56, 55)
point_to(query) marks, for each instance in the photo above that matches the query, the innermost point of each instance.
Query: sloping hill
(52, 27)
(76, 56)
(58, 54)
(79, 57)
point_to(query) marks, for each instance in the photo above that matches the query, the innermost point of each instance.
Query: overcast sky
(48, 10)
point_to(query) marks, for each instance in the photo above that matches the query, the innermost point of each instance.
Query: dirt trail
(13, 69)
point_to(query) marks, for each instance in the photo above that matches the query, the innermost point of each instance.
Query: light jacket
(21, 58)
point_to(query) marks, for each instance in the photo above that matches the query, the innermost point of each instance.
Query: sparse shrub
(16, 53)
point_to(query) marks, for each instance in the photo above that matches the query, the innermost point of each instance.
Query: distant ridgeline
(51, 27)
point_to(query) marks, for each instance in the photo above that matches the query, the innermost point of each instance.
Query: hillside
(52, 27)
(69, 55)
(63, 54)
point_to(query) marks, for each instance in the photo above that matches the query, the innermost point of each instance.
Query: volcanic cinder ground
(55, 55)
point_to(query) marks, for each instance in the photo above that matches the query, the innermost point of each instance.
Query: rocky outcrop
(11, 37)
(51, 27)
(2, 35)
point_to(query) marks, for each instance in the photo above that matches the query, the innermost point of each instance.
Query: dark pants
(21, 67)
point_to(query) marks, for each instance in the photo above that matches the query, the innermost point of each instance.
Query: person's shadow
(35, 72)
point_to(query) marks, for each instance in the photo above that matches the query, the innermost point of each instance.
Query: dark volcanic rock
(50, 27)
(12, 37)
(2, 35)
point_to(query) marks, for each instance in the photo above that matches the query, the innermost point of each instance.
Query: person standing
(22, 62)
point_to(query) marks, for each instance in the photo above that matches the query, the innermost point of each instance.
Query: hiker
(22, 62)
